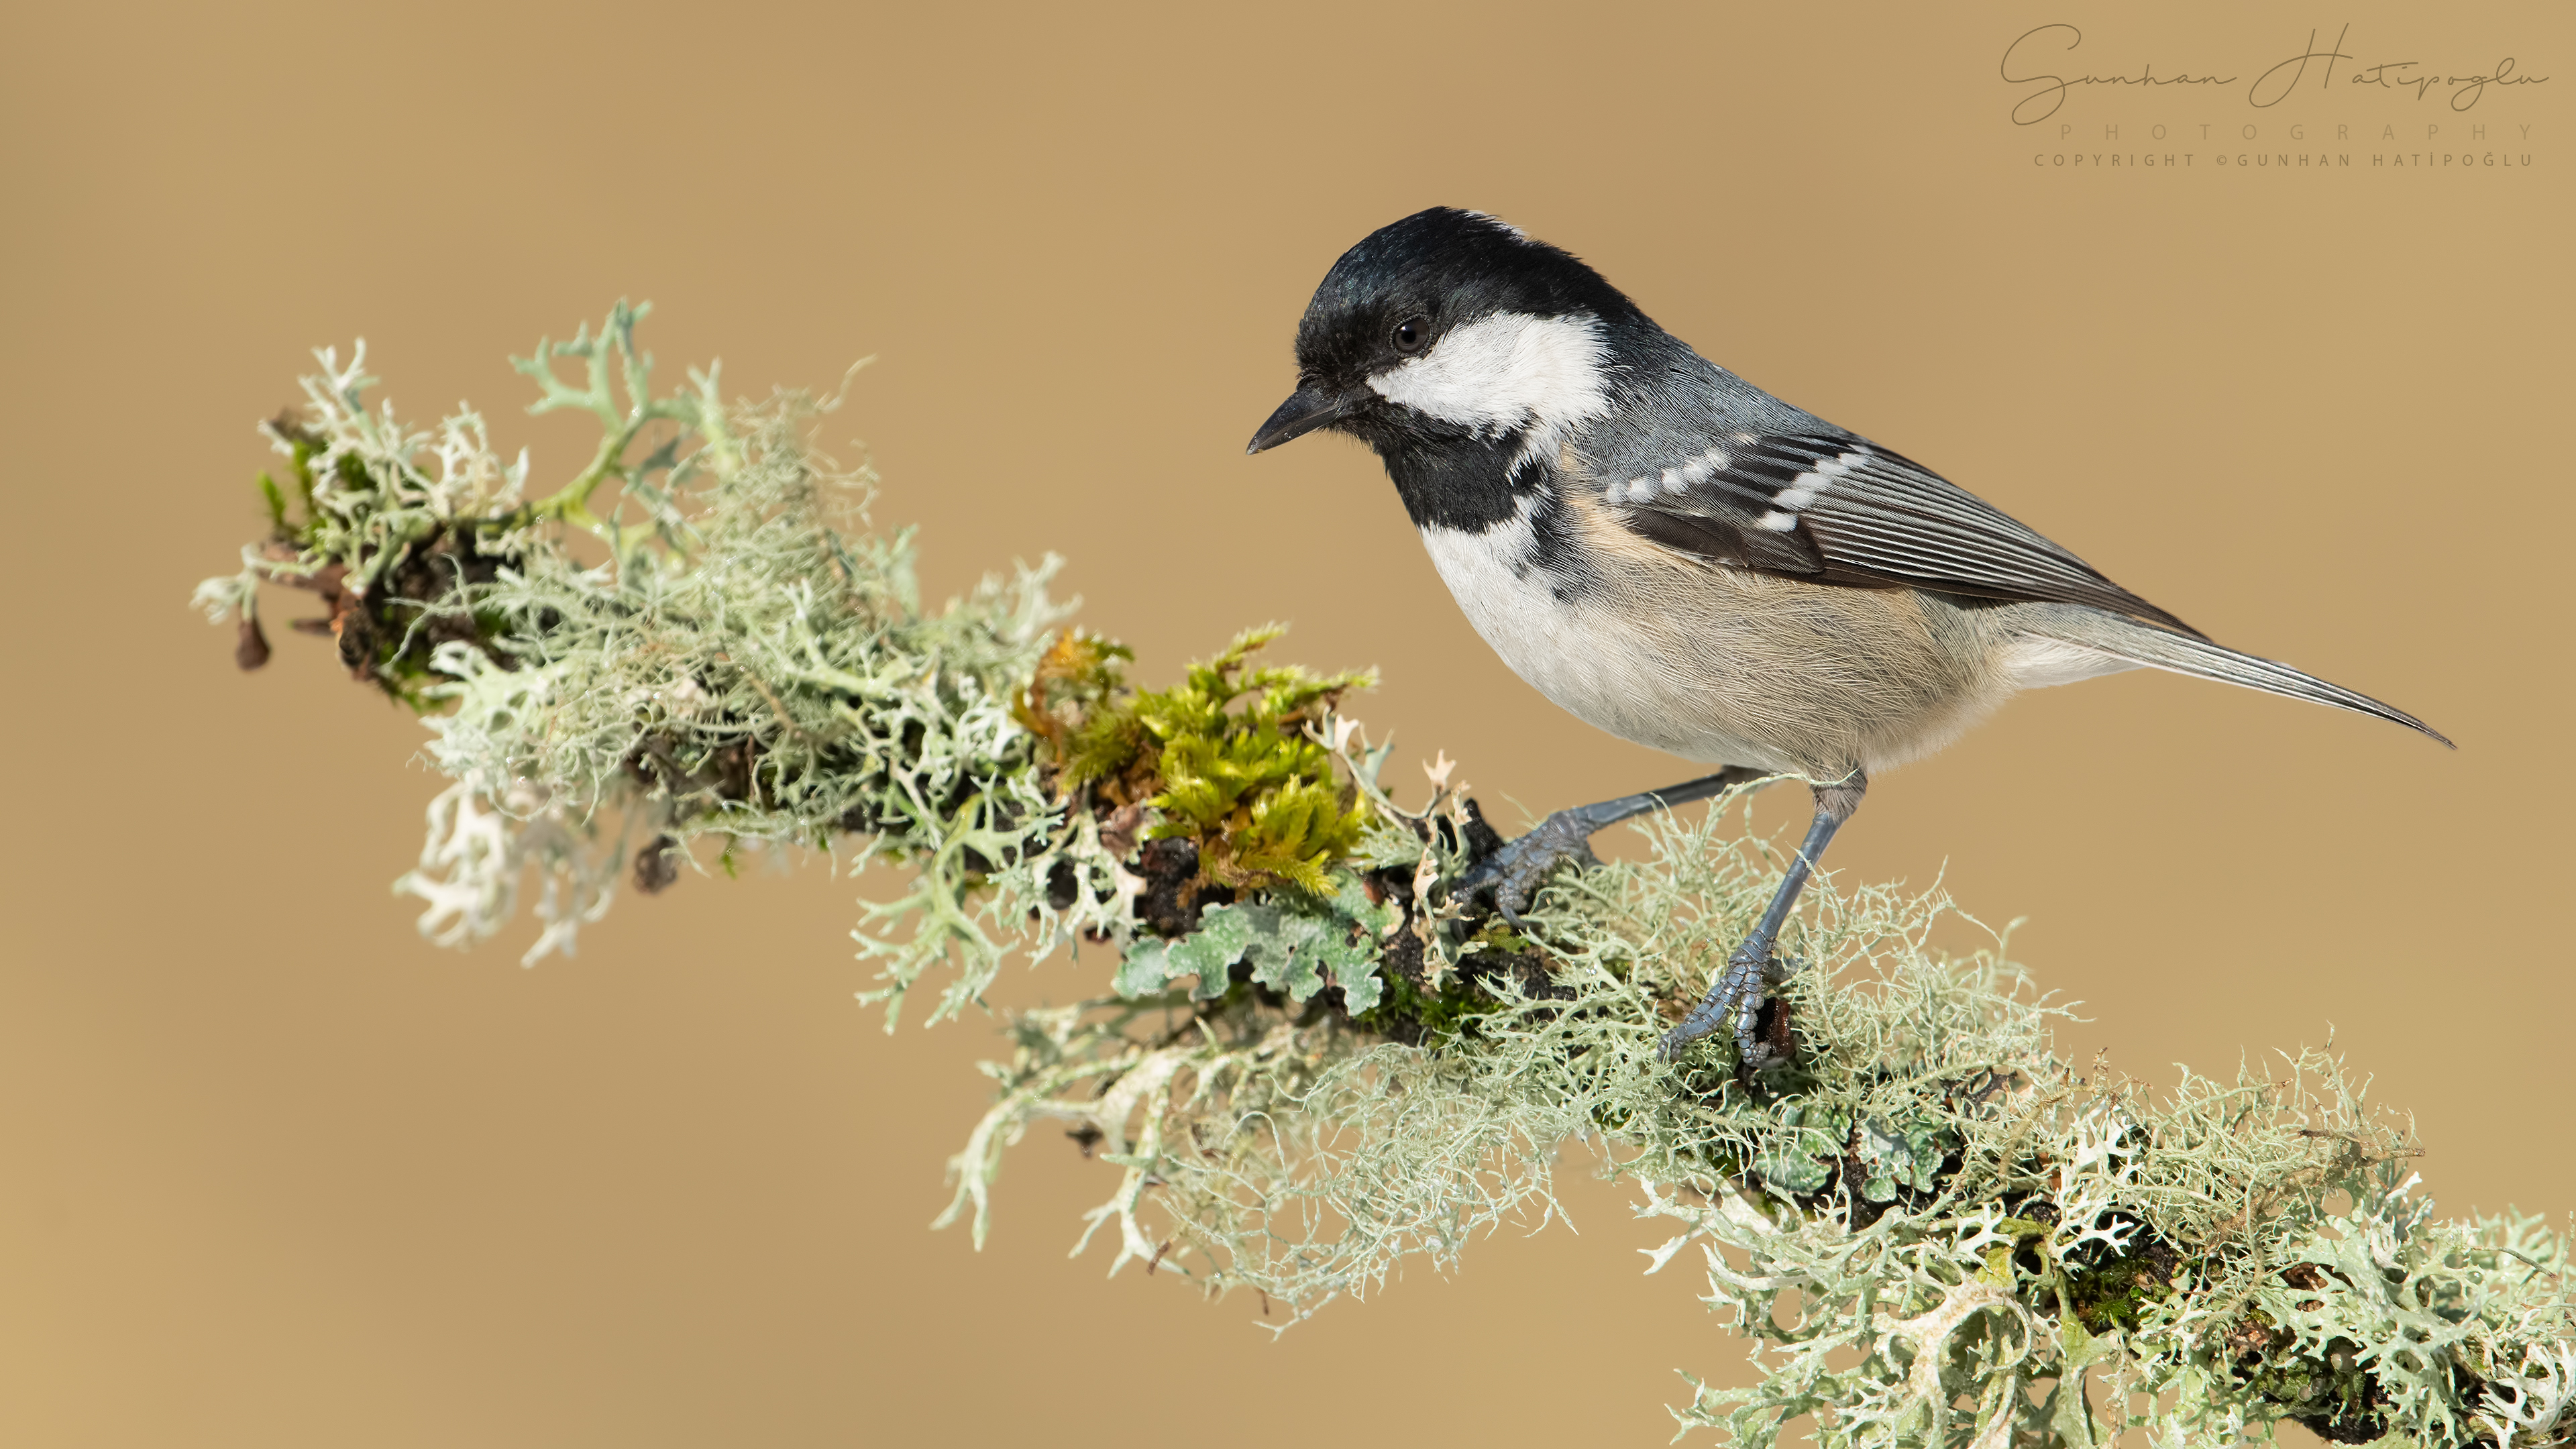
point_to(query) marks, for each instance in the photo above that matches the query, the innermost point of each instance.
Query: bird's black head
(1450, 334)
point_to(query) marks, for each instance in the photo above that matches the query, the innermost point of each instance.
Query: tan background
(274, 1172)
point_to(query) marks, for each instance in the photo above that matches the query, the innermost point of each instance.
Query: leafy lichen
(1312, 1060)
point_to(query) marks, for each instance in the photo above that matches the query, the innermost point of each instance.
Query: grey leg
(1514, 873)
(1743, 989)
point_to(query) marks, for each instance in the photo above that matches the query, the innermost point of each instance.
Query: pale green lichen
(749, 663)
(1312, 1063)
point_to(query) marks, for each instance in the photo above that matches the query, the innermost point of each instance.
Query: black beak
(1306, 409)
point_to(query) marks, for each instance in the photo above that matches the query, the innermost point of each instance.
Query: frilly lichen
(1312, 1063)
(748, 662)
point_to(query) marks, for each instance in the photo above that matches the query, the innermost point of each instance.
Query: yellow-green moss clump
(1229, 758)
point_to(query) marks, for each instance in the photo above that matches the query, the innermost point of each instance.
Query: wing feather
(1837, 509)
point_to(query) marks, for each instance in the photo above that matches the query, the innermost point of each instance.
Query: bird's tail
(2140, 643)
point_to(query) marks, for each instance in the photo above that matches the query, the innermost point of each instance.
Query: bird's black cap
(1441, 268)
(1450, 266)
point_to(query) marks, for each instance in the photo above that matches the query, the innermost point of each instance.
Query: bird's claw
(1514, 873)
(1737, 1000)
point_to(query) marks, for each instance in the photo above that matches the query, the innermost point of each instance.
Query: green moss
(276, 500)
(2115, 1294)
(1068, 706)
(2329, 1391)
(1430, 1016)
(1227, 755)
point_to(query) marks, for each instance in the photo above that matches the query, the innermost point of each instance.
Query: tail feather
(2159, 648)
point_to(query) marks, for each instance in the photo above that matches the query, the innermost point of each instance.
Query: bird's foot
(1742, 999)
(1514, 873)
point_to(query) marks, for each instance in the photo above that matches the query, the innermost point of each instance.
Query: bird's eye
(1411, 333)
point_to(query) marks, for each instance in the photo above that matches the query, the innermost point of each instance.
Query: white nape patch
(2033, 662)
(1777, 522)
(1507, 373)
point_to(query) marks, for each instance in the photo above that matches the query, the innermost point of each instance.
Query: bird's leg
(1513, 874)
(1744, 987)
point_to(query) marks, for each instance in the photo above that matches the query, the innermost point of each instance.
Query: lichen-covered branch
(1305, 1060)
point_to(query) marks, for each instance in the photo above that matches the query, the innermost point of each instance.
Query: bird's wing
(1835, 509)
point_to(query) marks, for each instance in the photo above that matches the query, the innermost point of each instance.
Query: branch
(1311, 1060)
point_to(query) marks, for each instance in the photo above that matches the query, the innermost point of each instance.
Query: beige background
(274, 1172)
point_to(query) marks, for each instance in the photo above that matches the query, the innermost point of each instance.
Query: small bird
(1686, 561)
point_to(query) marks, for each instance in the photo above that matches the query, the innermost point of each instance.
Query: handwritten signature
(2270, 88)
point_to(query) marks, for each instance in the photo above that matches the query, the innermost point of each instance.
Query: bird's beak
(1306, 409)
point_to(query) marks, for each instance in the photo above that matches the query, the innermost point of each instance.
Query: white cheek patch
(1501, 374)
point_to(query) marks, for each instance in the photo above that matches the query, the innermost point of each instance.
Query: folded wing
(1837, 509)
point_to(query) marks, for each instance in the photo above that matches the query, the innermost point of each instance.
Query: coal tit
(1688, 562)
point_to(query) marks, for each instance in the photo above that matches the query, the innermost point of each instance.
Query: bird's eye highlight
(1411, 334)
